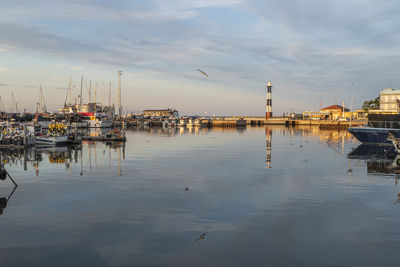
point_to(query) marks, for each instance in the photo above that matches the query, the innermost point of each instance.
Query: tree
(371, 104)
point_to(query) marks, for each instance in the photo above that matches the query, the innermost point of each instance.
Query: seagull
(202, 72)
(202, 236)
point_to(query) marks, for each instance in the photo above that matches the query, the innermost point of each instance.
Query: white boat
(197, 123)
(52, 140)
(100, 123)
(96, 121)
(190, 123)
(182, 123)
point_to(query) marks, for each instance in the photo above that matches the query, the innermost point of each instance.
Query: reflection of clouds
(288, 215)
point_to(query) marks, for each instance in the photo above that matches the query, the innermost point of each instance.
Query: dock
(104, 139)
(322, 124)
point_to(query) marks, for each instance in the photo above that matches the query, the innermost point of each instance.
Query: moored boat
(373, 136)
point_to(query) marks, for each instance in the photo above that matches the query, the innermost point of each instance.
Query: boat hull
(373, 136)
(52, 141)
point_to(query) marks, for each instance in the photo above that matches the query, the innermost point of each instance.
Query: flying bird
(202, 72)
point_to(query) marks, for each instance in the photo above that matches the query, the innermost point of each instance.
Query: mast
(90, 91)
(68, 93)
(119, 94)
(43, 107)
(80, 103)
(12, 102)
(95, 93)
(70, 89)
(109, 99)
(40, 100)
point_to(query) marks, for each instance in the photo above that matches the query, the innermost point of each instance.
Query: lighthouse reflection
(268, 145)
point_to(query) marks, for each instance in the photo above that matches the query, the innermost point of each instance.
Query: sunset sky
(312, 51)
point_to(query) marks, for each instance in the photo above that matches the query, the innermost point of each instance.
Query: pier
(323, 124)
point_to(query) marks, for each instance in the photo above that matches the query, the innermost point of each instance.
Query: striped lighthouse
(268, 113)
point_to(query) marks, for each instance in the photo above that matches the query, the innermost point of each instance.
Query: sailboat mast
(80, 103)
(95, 93)
(90, 91)
(68, 93)
(12, 102)
(119, 93)
(109, 99)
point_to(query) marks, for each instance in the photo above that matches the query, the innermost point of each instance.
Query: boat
(190, 123)
(110, 136)
(52, 140)
(16, 135)
(57, 135)
(96, 121)
(373, 136)
(182, 123)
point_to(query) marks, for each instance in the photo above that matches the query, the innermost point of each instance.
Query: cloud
(307, 46)
(78, 67)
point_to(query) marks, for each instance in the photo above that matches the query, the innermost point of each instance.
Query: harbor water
(255, 196)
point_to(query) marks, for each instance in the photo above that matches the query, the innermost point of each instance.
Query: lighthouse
(268, 113)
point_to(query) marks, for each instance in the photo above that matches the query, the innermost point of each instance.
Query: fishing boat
(16, 135)
(57, 135)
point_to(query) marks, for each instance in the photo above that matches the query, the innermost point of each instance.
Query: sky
(314, 52)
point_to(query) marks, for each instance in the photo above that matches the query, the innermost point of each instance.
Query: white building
(389, 100)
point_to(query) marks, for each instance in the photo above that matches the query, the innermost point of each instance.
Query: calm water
(126, 205)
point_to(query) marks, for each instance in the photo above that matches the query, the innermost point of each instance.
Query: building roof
(157, 110)
(335, 107)
(390, 91)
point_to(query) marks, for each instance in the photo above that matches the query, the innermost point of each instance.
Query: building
(334, 112)
(160, 113)
(389, 100)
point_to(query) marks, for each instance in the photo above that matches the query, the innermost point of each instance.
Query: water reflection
(184, 195)
(379, 159)
(4, 200)
(268, 141)
(88, 155)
